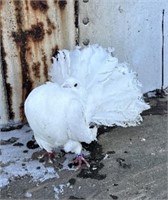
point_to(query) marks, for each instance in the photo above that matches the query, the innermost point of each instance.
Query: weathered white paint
(133, 28)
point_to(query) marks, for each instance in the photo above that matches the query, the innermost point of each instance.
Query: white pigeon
(88, 87)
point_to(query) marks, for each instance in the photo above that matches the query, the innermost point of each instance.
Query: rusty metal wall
(31, 33)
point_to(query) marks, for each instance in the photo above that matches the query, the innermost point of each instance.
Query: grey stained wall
(134, 29)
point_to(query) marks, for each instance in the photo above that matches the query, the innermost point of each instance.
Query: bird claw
(49, 155)
(79, 159)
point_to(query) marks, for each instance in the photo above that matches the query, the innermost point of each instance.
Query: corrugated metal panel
(31, 32)
(133, 28)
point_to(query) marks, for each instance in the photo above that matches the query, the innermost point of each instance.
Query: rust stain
(27, 84)
(36, 32)
(9, 100)
(22, 38)
(55, 51)
(44, 59)
(27, 7)
(36, 69)
(50, 23)
(18, 10)
(39, 5)
(62, 4)
(19, 38)
(4, 64)
(6, 84)
(1, 4)
(28, 49)
(49, 31)
(21, 108)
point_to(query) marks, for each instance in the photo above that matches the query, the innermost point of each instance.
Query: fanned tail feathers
(113, 93)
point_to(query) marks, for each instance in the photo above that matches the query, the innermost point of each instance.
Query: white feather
(57, 118)
(111, 92)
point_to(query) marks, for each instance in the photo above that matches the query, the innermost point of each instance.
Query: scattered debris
(59, 190)
(143, 139)
(19, 144)
(123, 164)
(32, 144)
(11, 127)
(113, 196)
(8, 141)
(72, 181)
(158, 93)
(106, 156)
(110, 152)
(73, 197)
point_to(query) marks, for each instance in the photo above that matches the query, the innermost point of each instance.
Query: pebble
(143, 139)
(105, 157)
(28, 194)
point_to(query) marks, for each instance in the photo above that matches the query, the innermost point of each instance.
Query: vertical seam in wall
(163, 11)
(76, 9)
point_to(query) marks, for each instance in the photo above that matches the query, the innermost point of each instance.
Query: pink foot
(79, 159)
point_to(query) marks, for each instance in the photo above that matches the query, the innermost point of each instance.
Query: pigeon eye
(75, 85)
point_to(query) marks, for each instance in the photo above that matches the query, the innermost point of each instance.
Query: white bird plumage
(88, 86)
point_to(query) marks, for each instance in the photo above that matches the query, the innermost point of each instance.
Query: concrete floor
(126, 163)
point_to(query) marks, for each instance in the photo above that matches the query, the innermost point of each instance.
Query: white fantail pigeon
(88, 87)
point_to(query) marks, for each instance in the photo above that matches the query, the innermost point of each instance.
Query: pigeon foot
(79, 160)
(49, 155)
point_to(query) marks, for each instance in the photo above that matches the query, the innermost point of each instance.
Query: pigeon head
(70, 83)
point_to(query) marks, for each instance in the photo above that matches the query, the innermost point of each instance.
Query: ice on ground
(16, 160)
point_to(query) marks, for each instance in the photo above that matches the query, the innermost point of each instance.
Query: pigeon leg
(49, 155)
(79, 159)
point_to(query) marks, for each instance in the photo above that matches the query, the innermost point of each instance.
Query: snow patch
(16, 160)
